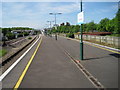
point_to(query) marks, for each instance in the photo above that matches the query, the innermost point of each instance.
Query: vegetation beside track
(3, 52)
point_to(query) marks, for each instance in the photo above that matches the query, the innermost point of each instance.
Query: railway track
(5, 64)
(14, 41)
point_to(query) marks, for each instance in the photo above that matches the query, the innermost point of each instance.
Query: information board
(80, 17)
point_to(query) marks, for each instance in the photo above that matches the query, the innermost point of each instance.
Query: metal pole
(81, 5)
(118, 5)
(55, 23)
(55, 18)
(50, 28)
(55, 28)
(81, 39)
(50, 24)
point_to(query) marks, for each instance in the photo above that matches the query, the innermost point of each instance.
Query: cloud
(20, 14)
(48, 7)
(59, 0)
(114, 6)
(67, 8)
(107, 9)
(23, 23)
(33, 14)
(13, 8)
(0, 14)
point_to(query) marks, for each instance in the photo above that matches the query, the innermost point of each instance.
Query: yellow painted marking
(104, 49)
(26, 68)
(98, 47)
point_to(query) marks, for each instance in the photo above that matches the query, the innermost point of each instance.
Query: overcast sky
(36, 14)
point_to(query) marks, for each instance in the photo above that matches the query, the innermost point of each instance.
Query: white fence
(114, 41)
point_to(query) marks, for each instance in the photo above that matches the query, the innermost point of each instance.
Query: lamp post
(118, 5)
(81, 39)
(55, 14)
(50, 24)
(46, 29)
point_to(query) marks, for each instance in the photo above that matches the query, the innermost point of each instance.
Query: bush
(26, 33)
(70, 35)
(10, 36)
(20, 35)
(29, 37)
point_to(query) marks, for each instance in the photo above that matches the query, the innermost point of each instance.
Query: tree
(110, 26)
(62, 24)
(84, 27)
(102, 25)
(76, 29)
(105, 25)
(10, 36)
(67, 24)
(6, 30)
(117, 22)
(91, 26)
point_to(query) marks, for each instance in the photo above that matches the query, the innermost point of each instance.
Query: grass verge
(2, 52)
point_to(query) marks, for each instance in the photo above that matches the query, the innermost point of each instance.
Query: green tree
(76, 28)
(102, 25)
(67, 24)
(91, 26)
(10, 36)
(84, 27)
(6, 30)
(110, 26)
(117, 22)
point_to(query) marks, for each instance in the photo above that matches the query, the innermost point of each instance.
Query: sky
(36, 14)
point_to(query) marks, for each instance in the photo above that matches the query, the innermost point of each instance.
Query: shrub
(10, 36)
(20, 35)
(26, 33)
(70, 35)
(29, 37)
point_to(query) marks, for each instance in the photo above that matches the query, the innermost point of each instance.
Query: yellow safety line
(104, 49)
(99, 47)
(26, 68)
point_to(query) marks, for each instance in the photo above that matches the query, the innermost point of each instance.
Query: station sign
(80, 17)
